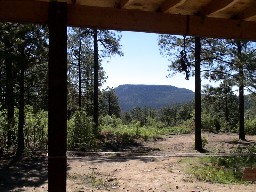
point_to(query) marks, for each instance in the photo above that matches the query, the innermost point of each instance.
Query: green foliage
(35, 129)
(110, 122)
(214, 174)
(250, 126)
(210, 123)
(3, 130)
(80, 132)
(145, 132)
(204, 142)
(224, 169)
(109, 103)
(213, 123)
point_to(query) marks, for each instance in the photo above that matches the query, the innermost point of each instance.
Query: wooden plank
(123, 3)
(249, 174)
(168, 4)
(216, 5)
(128, 20)
(248, 14)
(24, 11)
(222, 28)
(131, 20)
(57, 97)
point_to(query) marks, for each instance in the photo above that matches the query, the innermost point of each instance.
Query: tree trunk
(226, 104)
(198, 137)
(9, 101)
(79, 73)
(109, 103)
(96, 82)
(241, 94)
(20, 147)
(1, 90)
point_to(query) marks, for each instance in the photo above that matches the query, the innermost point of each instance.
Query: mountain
(153, 96)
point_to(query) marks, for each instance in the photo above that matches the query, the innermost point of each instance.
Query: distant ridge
(153, 96)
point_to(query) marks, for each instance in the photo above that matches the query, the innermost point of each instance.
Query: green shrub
(110, 122)
(80, 132)
(210, 123)
(224, 169)
(3, 130)
(36, 129)
(250, 127)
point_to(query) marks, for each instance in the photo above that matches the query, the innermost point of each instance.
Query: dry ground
(155, 166)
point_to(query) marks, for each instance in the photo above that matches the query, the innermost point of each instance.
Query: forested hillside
(152, 96)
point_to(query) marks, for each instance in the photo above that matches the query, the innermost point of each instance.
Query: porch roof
(209, 18)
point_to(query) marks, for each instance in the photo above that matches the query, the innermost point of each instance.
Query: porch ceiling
(211, 18)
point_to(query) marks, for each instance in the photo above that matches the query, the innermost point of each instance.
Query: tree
(168, 115)
(184, 63)
(7, 52)
(232, 60)
(236, 65)
(85, 65)
(109, 103)
(220, 103)
(24, 47)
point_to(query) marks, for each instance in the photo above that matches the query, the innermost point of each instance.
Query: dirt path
(158, 170)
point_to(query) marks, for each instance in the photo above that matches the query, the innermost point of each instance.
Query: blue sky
(141, 64)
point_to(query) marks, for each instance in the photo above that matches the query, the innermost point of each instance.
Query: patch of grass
(94, 179)
(147, 132)
(215, 174)
(125, 136)
(224, 170)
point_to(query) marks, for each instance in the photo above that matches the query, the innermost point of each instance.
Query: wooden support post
(57, 104)
(198, 137)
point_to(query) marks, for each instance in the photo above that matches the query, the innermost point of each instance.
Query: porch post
(57, 98)
(198, 137)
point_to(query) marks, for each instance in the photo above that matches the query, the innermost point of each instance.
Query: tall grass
(222, 169)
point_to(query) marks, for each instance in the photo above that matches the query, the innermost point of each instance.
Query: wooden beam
(248, 14)
(57, 97)
(127, 20)
(168, 4)
(216, 5)
(123, 3)
(131, 20)
(24, 11)
(134, 20)
(222, 28)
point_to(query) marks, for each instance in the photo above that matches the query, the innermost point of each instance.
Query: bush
(210, 123)
(250, 127)
(36, 129)
(80, 132)
(3, 130)
(109, 122)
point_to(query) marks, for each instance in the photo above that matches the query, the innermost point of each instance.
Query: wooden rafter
(216, 5)
(123, 3)
(248, 14)
(168, 4)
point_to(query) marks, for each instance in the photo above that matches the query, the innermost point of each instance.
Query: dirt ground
(153, 166)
